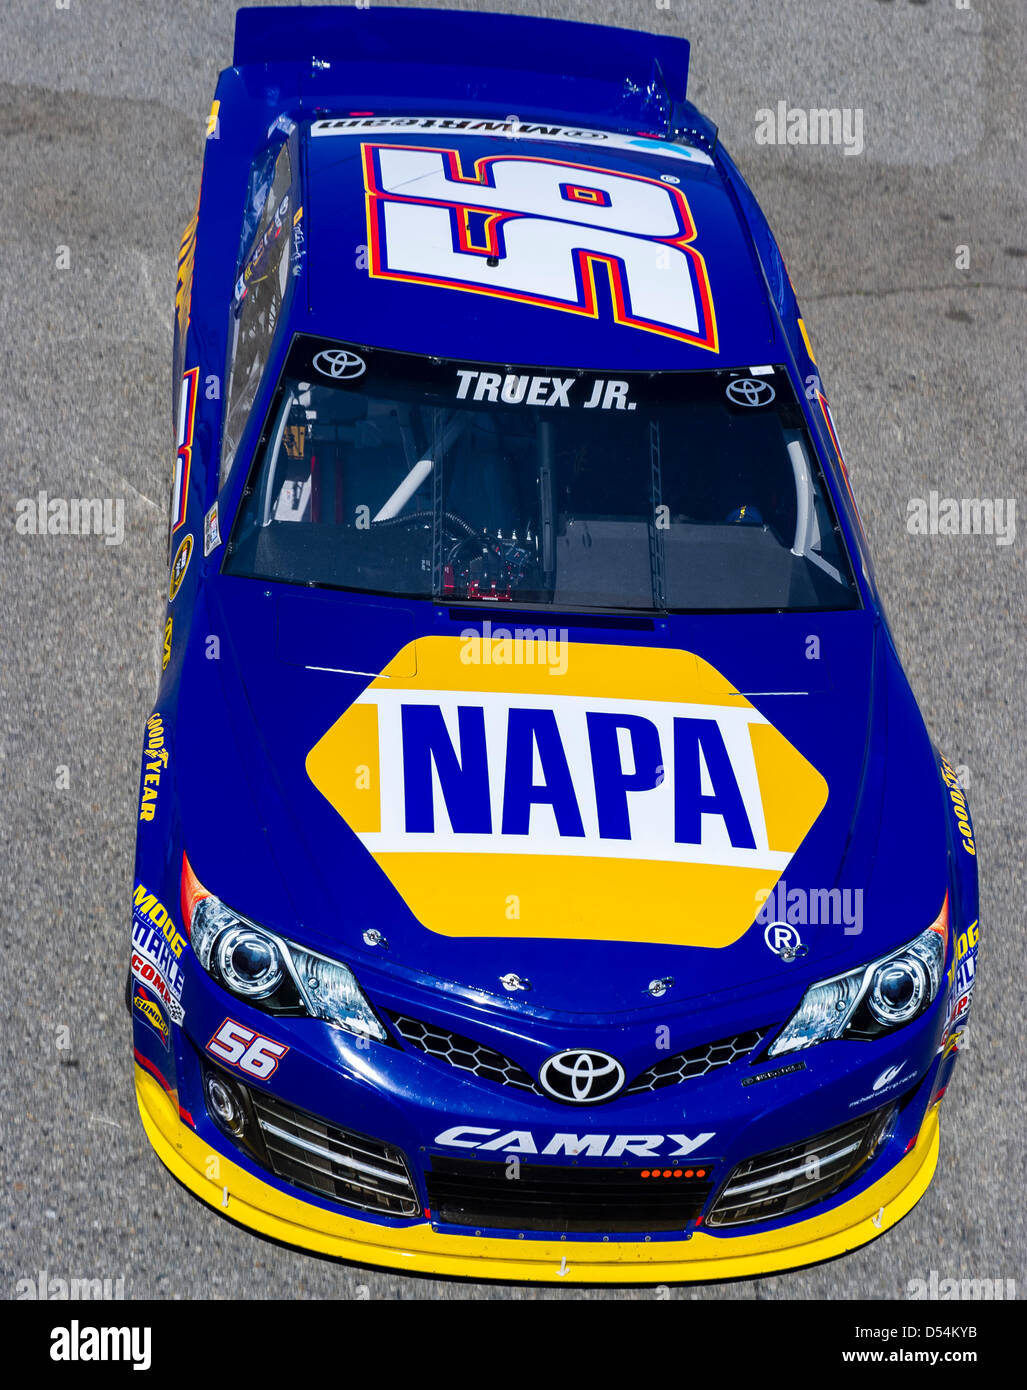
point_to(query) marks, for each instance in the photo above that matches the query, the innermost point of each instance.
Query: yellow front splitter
(420, 1250)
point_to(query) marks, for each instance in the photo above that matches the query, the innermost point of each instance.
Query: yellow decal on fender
(628, 794)
(153, 1016)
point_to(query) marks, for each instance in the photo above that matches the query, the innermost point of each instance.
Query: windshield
(393, 474)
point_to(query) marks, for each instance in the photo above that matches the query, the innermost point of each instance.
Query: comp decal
(183, 458)
(498, 808)
(539, 231)
(165, 655)
(155, 761)
(144, 970)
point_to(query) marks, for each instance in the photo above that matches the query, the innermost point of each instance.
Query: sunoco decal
(497, 808)
(144, 1006)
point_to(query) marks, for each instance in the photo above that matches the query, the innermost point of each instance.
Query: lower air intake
(783, 1180)
(474, 1192)
(333, 1162)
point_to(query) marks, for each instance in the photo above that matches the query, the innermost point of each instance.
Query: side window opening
(259, 295)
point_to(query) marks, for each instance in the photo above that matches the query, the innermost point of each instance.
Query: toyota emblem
(750, 390)
(339, 363)
(581, 1076)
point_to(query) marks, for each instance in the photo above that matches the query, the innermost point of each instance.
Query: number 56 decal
(249, 1051)
(539, 231)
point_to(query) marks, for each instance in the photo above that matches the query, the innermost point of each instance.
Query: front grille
(464, 1053)
(697, 1061)
(333, 1162)
(472, 1192)
(783, 1180)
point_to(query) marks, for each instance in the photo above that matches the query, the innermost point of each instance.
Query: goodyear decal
(646, 800)
(155, 760)
(959, 807)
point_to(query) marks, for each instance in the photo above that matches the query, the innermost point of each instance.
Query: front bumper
(212, 1175)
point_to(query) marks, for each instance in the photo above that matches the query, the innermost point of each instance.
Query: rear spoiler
(517, 60)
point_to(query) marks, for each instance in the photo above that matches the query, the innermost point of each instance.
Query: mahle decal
(647, 801)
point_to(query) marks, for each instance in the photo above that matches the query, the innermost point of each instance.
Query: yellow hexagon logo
(521, 787)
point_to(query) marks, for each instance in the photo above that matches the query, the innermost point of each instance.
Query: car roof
(354, 293)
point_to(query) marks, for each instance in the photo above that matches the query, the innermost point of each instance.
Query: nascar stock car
(543, 870)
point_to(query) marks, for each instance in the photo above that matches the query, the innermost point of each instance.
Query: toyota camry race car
(543, 870)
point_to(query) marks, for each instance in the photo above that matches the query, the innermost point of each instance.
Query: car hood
(333, 782)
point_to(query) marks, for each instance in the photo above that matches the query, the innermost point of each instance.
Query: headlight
(269, 972)
(874, 999)
(249, 962)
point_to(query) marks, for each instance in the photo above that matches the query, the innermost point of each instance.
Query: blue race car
(543, 870)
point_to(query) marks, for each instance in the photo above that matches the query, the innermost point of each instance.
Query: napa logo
(645, 800)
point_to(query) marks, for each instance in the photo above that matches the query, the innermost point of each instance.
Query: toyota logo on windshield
(750, 390)
(339, 363)
(581, 1077)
